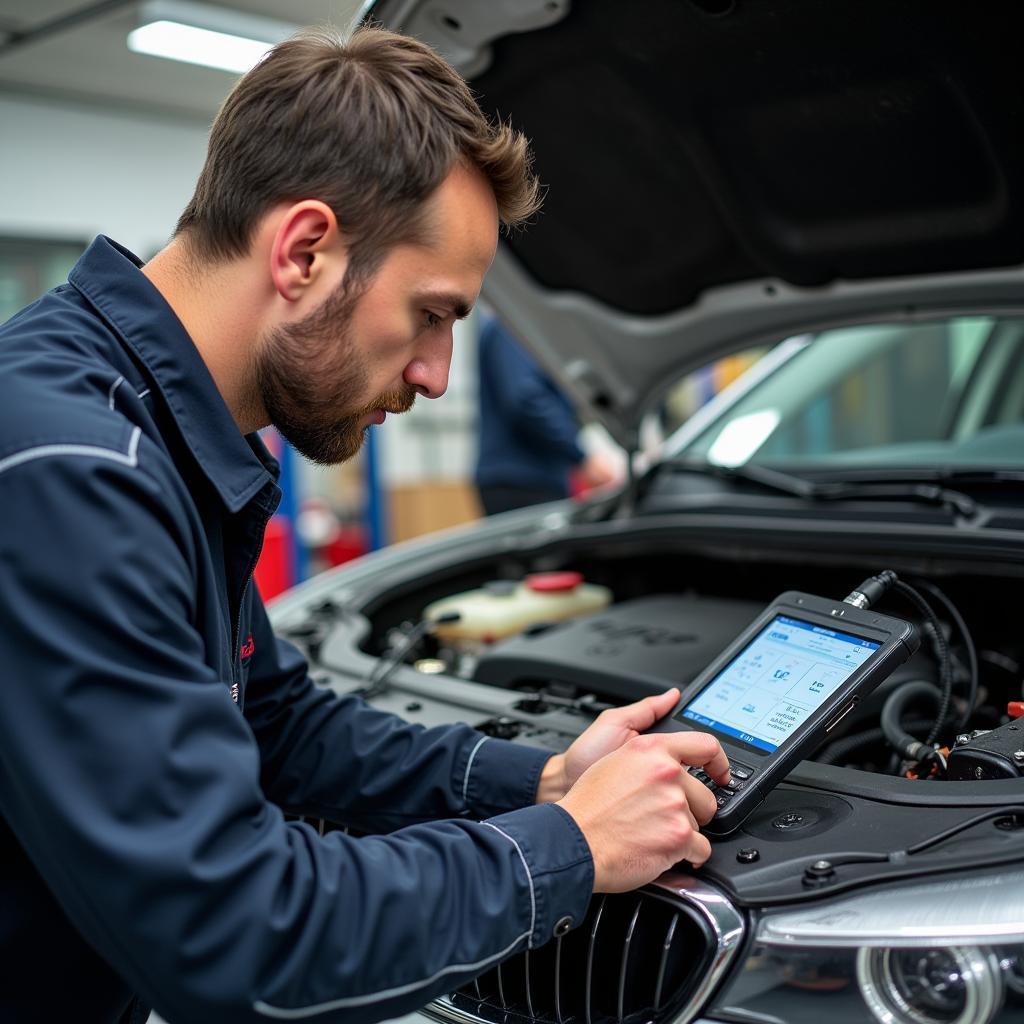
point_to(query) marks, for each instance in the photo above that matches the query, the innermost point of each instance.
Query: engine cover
(628, 651)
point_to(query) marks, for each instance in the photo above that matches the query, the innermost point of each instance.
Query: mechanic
(153, 729)
(528, 428)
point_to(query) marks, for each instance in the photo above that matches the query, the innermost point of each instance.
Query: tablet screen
(779, 679)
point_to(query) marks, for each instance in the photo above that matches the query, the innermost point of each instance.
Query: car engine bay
(658, 599)
(669, 607)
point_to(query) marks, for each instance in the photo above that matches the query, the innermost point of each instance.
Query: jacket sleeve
(338, 758)
(132, 781)
(540, 412)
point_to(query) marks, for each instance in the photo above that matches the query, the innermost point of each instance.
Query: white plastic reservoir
(505, 607)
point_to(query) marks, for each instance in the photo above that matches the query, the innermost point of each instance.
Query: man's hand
(598, 470)
(609, 732)
(640, 810)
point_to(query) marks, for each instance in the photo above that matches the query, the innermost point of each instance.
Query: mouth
(391, 403)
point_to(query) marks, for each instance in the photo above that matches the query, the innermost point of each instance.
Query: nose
(427, 371)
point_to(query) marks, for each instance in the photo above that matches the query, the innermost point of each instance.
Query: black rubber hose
(907, 746)
(840, 750)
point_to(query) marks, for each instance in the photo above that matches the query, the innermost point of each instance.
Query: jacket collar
(109, 276)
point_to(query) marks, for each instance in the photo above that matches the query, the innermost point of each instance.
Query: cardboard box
(416, 509)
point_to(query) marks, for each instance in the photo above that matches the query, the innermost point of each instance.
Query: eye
(432, 319)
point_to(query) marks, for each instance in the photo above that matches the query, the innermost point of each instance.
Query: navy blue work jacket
(153, 730)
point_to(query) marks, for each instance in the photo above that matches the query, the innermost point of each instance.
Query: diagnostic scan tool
(774, 695)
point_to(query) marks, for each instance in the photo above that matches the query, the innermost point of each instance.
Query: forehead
(460, 234)
(462, 216)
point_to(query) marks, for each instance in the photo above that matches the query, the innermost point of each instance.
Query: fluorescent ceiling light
(202, 34)
(197, 46)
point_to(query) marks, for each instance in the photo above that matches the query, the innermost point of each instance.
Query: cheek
(386, 331)
(385, 356)
(385, 323)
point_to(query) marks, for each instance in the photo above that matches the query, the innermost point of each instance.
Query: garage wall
(73, 172)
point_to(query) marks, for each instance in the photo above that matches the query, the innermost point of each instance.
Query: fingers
(698, 847)
(692, 820)
(701, 800)
(699, 850)
(644, 713)
(700, 750)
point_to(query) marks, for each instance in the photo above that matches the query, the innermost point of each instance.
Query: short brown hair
(370, 126)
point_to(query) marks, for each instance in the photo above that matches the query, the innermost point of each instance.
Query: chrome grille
(639, 956)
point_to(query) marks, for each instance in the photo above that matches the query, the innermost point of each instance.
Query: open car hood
(724, 173)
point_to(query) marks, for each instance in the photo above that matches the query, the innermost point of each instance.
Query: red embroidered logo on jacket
(246, 649)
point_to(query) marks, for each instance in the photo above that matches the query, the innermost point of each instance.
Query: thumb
(644, 713)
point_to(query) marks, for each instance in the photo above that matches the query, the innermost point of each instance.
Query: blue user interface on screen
(780, 678)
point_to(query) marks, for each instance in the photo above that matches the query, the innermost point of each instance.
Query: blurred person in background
(528, 450)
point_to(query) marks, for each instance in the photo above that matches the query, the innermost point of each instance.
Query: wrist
(552, 785)
(587, 829)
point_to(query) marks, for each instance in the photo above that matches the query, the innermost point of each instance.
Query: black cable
(872, 590)
(972, 652)
(945, 675)
(941, 837)
(895, 856)
(870, 593)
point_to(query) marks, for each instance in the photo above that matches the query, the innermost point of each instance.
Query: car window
(942, 391)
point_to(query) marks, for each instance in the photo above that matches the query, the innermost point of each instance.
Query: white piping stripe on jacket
(110, 394)
(86, 450)
(529, 876)
(469, 764)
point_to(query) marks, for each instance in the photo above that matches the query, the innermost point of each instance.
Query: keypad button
(723, 798)
(739, 772)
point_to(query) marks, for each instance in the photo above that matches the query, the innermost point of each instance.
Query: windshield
(947, 392)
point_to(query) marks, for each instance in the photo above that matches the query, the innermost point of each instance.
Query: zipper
(241, 602)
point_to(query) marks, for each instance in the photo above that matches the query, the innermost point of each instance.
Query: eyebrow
(456, 303)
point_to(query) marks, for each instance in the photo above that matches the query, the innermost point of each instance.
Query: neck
(219, 308)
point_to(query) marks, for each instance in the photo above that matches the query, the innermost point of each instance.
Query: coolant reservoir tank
(505, 607)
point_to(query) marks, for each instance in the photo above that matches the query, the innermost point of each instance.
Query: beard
(311, 380)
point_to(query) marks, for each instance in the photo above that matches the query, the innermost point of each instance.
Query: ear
(306, 241)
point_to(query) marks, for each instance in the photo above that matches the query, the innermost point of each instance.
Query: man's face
(326, 378)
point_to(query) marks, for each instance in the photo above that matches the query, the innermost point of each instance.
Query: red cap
(553, 582)
(1015, 708)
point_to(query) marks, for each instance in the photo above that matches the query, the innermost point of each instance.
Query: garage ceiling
(85, 59)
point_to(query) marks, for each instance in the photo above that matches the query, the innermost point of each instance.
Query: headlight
(934, 953)
(957, 985)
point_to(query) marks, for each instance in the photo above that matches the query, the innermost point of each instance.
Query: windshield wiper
(841, 490)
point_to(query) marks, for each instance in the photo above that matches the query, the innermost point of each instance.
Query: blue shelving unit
(376, 502)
